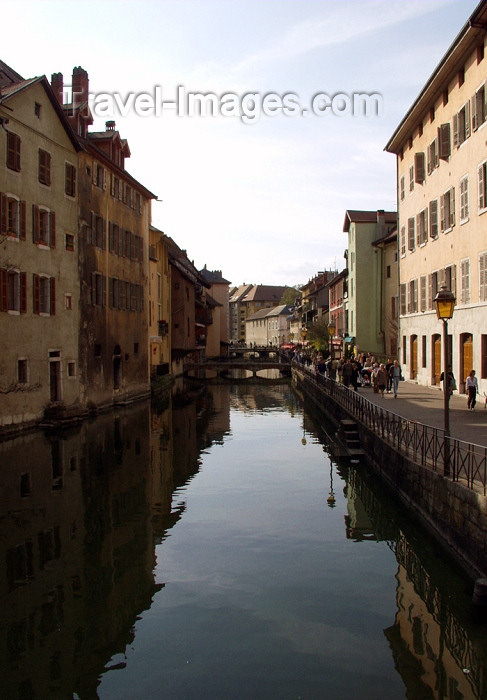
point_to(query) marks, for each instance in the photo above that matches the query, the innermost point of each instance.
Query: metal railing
(459, 461)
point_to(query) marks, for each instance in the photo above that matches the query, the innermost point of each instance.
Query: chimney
(110, 126)
(80, 85)
(381, 221)
(57, 85)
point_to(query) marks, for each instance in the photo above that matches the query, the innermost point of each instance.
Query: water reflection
(83, 513)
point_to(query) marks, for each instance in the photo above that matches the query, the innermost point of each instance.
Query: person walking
(381, 378)
(395, 374)
(472, 387)
(450, 383)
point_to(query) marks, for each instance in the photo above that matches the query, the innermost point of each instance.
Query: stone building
(39, 289)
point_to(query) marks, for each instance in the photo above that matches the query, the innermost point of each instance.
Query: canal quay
(213, 547)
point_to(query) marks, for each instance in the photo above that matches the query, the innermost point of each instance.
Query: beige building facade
(39, 299)
(442, 202)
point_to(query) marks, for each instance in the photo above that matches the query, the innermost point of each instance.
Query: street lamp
(331, 333)
(444, 303)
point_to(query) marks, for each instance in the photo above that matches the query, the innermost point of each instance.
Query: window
(447, 209)
(71, 366)
(43, 226)
(444, 141)
(68, 302)
(96, 235)
(432, 156)
(37, 110)
(98, 291)
(388, 271)
(13, 151)
(422, 293)
(465, 281)
(483, 277)
(13, 291)
(461, 125)
(422, 227)
(482, 183)
(402, 188)
(70, 179)
(402, 299)
(419, 168)
(433, 289)
(411, 178)
(411, 239)
(413, 296)
(12, 216)
(114, 186)
(22, 371)
(69, 241)
(461, 77)
(44, 295)
(44, 167)
(403, 240)
(100, 177)
(464, 209)
(433, 207)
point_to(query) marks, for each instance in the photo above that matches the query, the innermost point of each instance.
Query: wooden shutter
(434, 218)
(468, 128)
(36, 288)
(455, 130)
(444, 141)
(35, 223)
(419, 171)
(411, 233)
(23, 292)
(481, 173)
(452, 207)
(52, 296)
(3, 214)
(52, 229)
(23, 220)
(3, 290)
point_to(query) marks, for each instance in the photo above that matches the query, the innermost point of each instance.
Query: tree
(318, 336)
(290, 295)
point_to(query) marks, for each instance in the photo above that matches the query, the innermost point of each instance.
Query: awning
(349, 339)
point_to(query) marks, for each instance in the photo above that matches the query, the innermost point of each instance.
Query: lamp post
(444, 303)
(331, 333)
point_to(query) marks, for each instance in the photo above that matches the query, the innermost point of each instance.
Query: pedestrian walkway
(424, 404)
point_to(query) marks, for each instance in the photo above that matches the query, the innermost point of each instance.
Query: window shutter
(103, 234)
(434, 218)
(36, 293)
(482, 277)
(481, 172)
(468, 128)
(444, 140)
(23, 292)
(52, 296)
(452, 207)
(411, 233)
(475, 111)
(112, 184)
(419, 174)
(35, 224)
(23, 220)
(90, 231)
(442, 213)
(104, 290)
(52, 229)
(110, 292)
(3, 214)
(455, 130)
(3, 290)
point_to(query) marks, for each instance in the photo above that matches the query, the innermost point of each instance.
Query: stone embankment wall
(455, 514)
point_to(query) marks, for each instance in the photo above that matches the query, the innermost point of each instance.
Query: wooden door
(436, 359)
(414, 356)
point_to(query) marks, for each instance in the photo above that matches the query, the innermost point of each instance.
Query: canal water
(209, 547)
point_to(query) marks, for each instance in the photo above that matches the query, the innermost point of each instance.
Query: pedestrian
(347, 372)
(389, 364)
(451, 384)
(472, 387)
(381, 378)
(354, 380)
(395, 375)
(373, 377)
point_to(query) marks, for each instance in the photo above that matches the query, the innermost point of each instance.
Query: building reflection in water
(438, 647)
(82, 511)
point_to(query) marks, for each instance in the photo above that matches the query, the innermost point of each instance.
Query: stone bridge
(222, 367)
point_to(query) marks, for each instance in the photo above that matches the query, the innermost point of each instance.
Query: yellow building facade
(442, 204)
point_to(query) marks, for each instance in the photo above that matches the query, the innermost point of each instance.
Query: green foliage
(317, 334)
(290, 295)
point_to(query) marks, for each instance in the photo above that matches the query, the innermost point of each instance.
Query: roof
(263, 292)
(367, 217)
(8, 75)
(282, 310)
(470, 36)
(10, 90)
(240, 292)
(213, 276)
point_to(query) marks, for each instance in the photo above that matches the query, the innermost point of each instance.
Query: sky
(259, 188)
